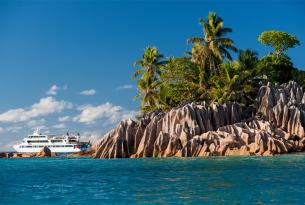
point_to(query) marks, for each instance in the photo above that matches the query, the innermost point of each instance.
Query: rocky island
(196, 130)
(204, 103)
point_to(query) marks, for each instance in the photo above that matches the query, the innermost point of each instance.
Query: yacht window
(56, 140)
(37, 141)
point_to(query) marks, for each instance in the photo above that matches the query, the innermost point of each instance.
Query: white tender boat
(57, 144)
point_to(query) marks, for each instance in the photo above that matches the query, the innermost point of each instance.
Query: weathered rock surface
(45, 152)
(16, 155)
(5, 155)
(216, 130)
(88, 153)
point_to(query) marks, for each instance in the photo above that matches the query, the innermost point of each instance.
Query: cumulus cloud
(45, 106)
(88, 92)
(124, 87)
(108, 112)
(36, 123)
(59, 126)
(54, 89)
(14, 129)
(64, 118)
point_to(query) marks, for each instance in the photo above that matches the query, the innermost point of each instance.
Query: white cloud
(125, 87)
(42, 128)
(110, 113)
(54, 89)
(45, 106)
(88, 92)
(82, 107)
(46, 132)
(36, 123)
(64, 118)
(14, 129)
(59, 126)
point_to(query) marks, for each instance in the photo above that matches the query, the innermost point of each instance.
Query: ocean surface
(211, 180)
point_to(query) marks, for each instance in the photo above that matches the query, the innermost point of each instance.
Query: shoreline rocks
(44, 152)
(196, 130)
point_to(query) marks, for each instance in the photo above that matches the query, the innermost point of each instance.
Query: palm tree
(223, 88)
(210, 50)
(150, 62)
(148, 92)
(249, 75)
(148, 84)
(247, 59)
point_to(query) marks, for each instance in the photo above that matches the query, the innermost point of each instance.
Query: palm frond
(223, 32)
(137, 73)
(225, 53)
(196, 39)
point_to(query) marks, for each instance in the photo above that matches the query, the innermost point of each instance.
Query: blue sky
(74, 46)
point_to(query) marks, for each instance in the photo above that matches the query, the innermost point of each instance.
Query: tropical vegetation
(209, 73)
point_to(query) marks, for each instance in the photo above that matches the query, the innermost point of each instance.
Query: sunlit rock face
(283, 106)
(217, 130)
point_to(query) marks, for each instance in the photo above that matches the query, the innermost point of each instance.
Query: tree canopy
(209, 72)
(278, 40)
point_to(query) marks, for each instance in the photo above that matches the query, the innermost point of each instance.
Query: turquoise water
(226, 180)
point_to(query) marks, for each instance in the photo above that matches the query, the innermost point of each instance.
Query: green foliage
(208, 73)
(277, 69)
(247, 59)
(222, 85)
(148, 85)
(248, 82)
(298, 76)
(236, 81)
(279, 41)
(150, 62)
(210, 50)
(180, 81)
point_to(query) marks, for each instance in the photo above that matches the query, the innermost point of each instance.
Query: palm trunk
(202, 83)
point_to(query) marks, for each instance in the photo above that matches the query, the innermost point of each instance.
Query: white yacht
(56, 143)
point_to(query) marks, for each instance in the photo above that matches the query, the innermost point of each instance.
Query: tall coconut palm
(210, 50)
(151, 62)
(148, 84)
(148, 92)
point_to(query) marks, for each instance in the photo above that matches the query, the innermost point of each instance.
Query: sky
(67, 65)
